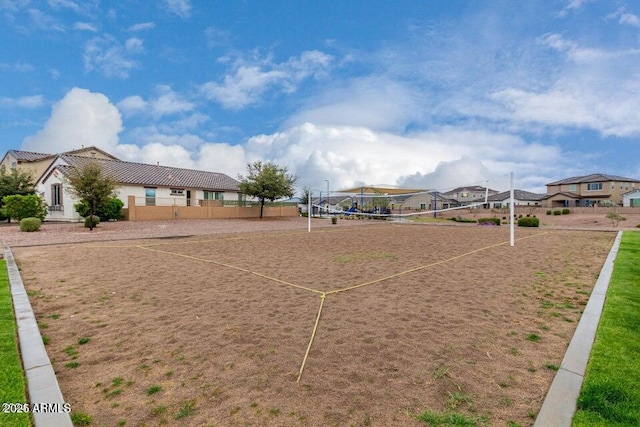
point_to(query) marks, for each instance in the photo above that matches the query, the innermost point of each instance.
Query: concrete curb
(41, 379)
(560, 404)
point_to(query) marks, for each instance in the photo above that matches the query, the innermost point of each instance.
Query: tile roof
(29, 156)
(594, 177)
(471, 188)
(154, 175)
(517, 194)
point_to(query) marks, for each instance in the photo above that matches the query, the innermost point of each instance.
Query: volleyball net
(398, 206)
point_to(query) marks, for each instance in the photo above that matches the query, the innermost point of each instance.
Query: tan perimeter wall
(536, 210)
(165, 213)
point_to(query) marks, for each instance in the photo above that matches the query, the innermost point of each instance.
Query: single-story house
(426, 201)
(151, 185)
(631, 199)
(520, 198)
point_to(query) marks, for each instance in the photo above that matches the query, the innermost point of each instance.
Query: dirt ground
(213, 330)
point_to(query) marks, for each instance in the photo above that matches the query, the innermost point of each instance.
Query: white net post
(511, 213)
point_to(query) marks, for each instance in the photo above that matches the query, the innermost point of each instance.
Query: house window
(14, 165)
(572, 187)
(497, 205)
(242, 199)
(56, 195)
(594, 186)
(423, 206)
(150, 196)
(613, 185)
(177, 191)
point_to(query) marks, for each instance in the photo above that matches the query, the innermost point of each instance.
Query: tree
(615, 218)
(304, 196)
(90, 185)
(266, 181)
(14, 182)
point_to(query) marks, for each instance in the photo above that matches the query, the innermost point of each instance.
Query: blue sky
(426, 94)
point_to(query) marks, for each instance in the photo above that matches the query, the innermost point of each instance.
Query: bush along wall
(489, 221)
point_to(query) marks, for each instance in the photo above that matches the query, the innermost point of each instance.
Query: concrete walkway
(560, 404)
(41, 378)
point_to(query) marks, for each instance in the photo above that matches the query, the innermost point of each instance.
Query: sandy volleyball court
(213, 329)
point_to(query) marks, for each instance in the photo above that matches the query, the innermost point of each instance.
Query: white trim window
(594, 186)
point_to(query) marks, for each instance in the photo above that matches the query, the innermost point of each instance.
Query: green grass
(12, 380)
(610, 394)
(442, 419)
(153, 389)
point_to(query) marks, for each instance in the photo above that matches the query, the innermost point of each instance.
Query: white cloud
(573, 5)
(441, 158)
(217, 37)
(630, 19)
(85, 26)
(80, 118)
(20, 67)
(374, 102)
(109, 57)
(43, 22)
(167, 102)
(143, 26)
(181, 8)
(134, 45)
(22, 102)
(574, 52)
(251, 79)
(65, 4)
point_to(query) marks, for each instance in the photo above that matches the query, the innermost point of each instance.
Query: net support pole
(309, 212)
(511, 214)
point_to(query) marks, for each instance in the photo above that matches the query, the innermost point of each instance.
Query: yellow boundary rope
(323, 294)
(313, 335)
(422, 267)
(233, 267)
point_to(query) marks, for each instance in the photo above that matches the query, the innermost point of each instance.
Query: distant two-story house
(589, 190)
(464, 196)
(36, 163)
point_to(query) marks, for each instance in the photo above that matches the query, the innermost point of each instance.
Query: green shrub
(29, 206)
(334, 220)
(557, 212)
(566, 211)
(95, 219)
(30, 224)
(461, 219)
(487, 221)
(529, 222)
(112, 210)
(549, 212)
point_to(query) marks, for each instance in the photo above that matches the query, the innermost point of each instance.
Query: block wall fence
(176, 212)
